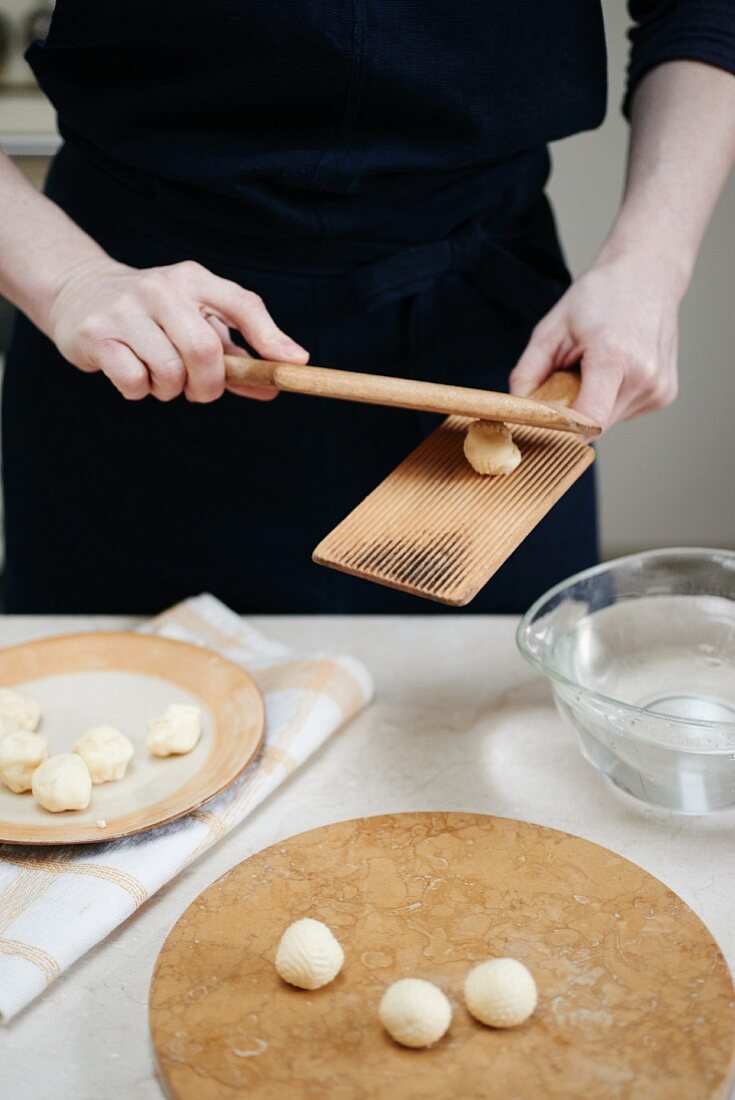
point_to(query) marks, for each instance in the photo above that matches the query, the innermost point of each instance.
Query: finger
(222, 331)
(631, 410)
(654, 392)
(246, 311)
(256, 393)
(123, 368)
(165, 367)
(600, 392)
(199, 347)
(538, 360)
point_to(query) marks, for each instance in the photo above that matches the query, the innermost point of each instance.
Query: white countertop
(460, 722)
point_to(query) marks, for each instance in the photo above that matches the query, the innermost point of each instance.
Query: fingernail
(521, 389)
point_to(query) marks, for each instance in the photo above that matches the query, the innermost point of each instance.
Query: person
(359, 184)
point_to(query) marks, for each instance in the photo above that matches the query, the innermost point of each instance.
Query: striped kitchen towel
(57, 903)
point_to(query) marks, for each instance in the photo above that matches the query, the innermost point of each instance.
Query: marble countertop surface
(460, 722)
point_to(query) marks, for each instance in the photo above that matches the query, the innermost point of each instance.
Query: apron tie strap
(496, 270)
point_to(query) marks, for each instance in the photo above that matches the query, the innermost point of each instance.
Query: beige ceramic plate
(123, 679)
(635, 999)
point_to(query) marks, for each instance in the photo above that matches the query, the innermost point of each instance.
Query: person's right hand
(162, 330)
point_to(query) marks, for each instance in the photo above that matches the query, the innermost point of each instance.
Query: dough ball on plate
(7, 726)
(20, 708)
(106, 752)
(414, 1012)
(500, 992)
(176, 731)
(309, 955)
(489, 448)
(62, 783)
(20, 754)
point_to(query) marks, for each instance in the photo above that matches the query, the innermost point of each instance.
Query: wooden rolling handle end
(249, 372)
(560, 388)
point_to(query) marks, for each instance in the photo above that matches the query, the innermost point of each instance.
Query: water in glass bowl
(672, 655)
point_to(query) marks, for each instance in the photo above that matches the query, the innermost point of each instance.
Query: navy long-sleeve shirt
(671, 30)
(352, 119)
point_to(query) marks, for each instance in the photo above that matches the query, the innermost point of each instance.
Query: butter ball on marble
(309, 955)
(500, 992)
(415, 1012)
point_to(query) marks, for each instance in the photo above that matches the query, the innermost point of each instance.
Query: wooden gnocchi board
(435, 528)
(635, 998)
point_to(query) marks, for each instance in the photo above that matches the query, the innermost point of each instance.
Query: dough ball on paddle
(20, 708)
(62, 783)
(21, 753)
(414, 1012)
(106, 752)
(309, 955)
(176, 731)
(500, 992)
(489, 448)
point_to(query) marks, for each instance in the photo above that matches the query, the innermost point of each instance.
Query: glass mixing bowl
(640, 653)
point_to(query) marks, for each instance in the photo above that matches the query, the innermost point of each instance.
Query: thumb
(537, 361)
(600, 389)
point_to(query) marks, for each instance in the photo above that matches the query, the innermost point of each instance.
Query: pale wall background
(667, 479)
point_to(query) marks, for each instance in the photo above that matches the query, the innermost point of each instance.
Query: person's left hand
(619, 322)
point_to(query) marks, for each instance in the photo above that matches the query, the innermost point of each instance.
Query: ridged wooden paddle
(437, 529)
(406, 393)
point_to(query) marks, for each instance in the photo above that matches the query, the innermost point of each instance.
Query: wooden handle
(560, 388)
(407, 393)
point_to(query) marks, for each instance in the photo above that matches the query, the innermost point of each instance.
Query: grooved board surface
(635, 999)
(437, 529)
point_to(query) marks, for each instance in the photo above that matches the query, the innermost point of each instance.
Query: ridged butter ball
(500, 992)
(308, 955)
(414, 1012)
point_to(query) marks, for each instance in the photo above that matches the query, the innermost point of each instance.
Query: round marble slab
(122, 679)
(635, 999)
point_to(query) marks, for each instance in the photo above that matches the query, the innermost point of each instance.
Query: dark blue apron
(128, 506)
